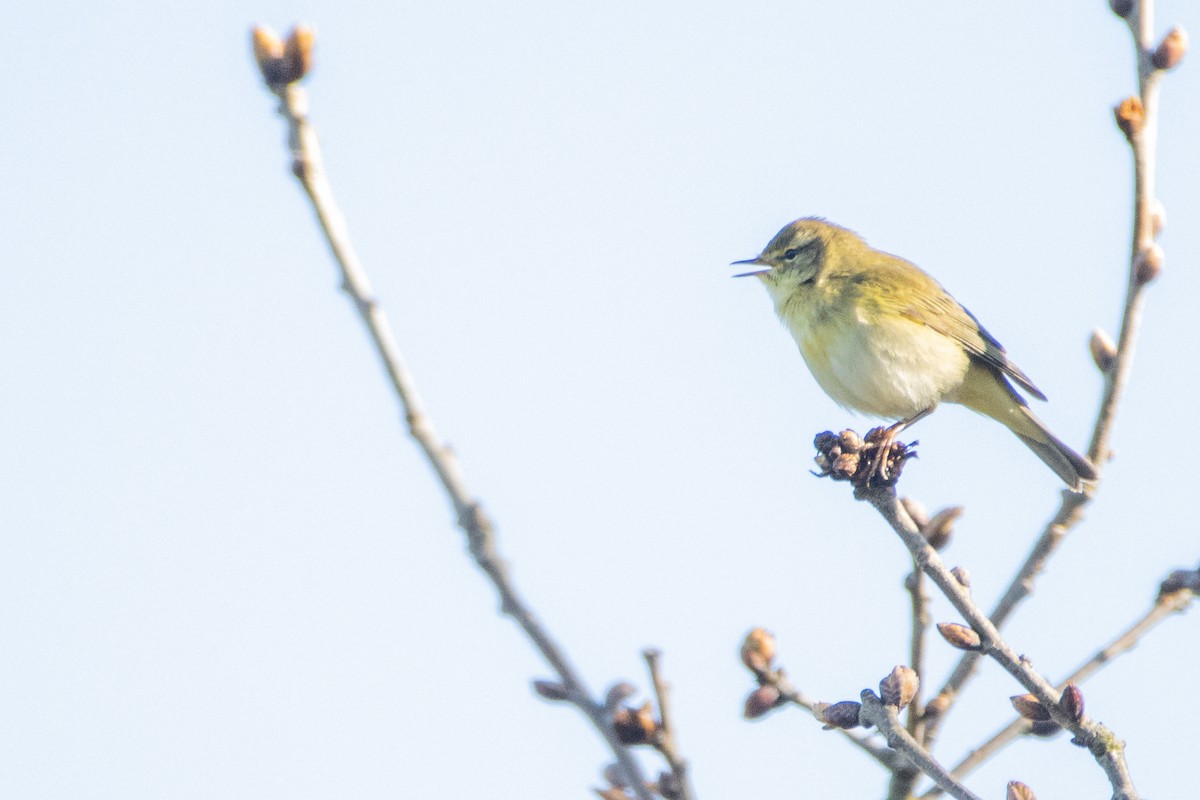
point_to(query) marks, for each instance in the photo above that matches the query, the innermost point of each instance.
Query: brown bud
(899, 687)
(960, 636)
(298, 52)
(941, 527)
(1180, 580)
(758, 650)
(634, 725)
(1044, 727)
(850, 440)
(1104, 350)
(1171, 49)
(1158, 217)
(1071, 702)
(1029, 707)
(845, 465)
(1130, 115)
(551, 690)
(760, 701)
(1148, 264)
(616, 693)
(611, 793)
(268, 53)
(842, 715)
(1019, 791)
(915, 510)
(962, 576)
(1121, 7)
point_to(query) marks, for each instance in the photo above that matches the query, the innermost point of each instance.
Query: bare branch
(887, 719)
(1165, 605)
(1138, 119)
(665, 742)
(307, 166)
(1103, 744)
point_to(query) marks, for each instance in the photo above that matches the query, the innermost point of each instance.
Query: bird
(883, 338)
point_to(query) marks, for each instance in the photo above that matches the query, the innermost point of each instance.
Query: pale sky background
(225, 571)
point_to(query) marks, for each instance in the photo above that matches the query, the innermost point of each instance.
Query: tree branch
(281, 70)
(1138, 119)
(1165, 605)
(1105, 747)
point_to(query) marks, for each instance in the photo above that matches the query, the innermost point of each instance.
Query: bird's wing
(940, 311)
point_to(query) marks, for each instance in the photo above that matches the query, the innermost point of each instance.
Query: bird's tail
(1073, 468)
(988, 392)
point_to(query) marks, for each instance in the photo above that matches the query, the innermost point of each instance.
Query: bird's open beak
(757, 262)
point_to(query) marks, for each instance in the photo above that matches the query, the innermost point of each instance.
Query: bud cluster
(846, 456)
(282, 62)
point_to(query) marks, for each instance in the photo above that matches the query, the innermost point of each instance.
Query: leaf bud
(634, 725)
(1104, 350)
(1030, 707)
(842, 715)
(960, 636)
(962, 576)
(1071, 702)
(1130, 115)
(758, 650)
(298, 52)
(941, 527)
(899, 687)
(618, 692)
(1180, 580)
(1121, 7)
(1148, 264)
(1019, 791)
(1171, 49)
(760, 701)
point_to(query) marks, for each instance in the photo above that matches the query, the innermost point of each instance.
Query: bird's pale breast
(885, 366)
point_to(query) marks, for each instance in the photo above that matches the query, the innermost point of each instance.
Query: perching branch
(282, 65)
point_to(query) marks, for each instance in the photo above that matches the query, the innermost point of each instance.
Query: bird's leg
(886, 438)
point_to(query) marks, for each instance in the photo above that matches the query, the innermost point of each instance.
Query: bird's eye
(790, 253)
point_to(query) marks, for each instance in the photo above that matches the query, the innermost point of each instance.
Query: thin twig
(307, 167)
(903, 779)
(1070, 513)
(915, 584)
(887, 758)
(1143, 143)
(886, 718)
(666, 743)
(1103, 744)
(1163, 607)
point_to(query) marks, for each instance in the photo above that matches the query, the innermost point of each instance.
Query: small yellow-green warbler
(882, 337)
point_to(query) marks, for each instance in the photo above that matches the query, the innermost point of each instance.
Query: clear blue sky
(225, 572)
